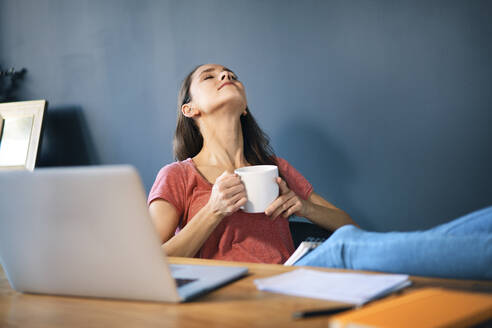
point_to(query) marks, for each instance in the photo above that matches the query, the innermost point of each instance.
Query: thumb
(282, 185)
(224, 175)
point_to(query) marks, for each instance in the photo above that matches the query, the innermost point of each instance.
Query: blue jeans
(460, 249)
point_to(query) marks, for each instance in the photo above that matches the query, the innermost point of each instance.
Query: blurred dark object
(9, 83)
(300, 231)
(66, 140)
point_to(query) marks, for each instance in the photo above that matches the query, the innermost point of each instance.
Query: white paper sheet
(354, 288)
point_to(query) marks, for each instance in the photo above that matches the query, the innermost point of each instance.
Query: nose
(225, 75)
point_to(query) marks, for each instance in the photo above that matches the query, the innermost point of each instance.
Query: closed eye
(208, 77)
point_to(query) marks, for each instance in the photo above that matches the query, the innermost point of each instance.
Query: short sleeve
(170, 186)
(295, 180)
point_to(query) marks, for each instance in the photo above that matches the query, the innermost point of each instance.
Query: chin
(233, 101)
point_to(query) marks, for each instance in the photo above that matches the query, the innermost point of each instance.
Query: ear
(189, 111)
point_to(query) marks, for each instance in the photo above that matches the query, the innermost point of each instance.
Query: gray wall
(385, 106)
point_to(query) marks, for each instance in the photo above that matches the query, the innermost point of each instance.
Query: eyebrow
(213, 69)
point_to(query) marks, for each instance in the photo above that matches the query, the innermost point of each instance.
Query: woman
(194, 203)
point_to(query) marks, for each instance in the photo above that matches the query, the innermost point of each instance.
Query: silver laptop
(86, 231)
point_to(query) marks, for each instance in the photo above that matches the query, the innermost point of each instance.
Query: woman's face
(215, 86)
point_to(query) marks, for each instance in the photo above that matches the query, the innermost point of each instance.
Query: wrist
(213, 213)
(305, 208)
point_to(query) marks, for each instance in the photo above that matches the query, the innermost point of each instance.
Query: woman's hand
(228, 194)
(286, 204)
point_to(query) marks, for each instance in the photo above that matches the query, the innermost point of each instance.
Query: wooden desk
(238, 304)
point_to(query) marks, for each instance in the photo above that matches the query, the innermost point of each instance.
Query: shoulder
(175, 170)
(285, 169)
(171, 184)
(283, 165)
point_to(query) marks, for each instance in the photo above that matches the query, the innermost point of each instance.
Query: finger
(277, 213)
(277, 202)
(227, 181)
(235, 207)
(282, 185)
(293, 209)
(241, 202)
(229, 192)
(282, 207)
(236, 198)
(275, 205)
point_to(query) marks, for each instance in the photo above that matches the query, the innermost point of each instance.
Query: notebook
(86, 231)
(303, 249)
(424, 308)
(347, 287)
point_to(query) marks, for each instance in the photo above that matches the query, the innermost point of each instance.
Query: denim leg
(421, 253)
(475, 222)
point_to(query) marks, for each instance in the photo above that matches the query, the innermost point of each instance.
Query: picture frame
(20, 132)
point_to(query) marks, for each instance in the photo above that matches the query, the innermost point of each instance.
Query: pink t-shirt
(244, 237)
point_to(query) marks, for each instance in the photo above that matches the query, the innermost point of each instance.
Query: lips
(227, 83)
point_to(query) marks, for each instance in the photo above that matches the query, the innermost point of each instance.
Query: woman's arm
(191, 238)
(315, 208)
(227, 196)
(318, 210)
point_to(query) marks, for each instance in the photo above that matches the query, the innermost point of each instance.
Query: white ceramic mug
(261, 186)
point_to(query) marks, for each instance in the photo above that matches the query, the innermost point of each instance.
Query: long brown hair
(188, 140)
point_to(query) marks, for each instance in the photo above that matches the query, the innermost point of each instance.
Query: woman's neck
(222, 143)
